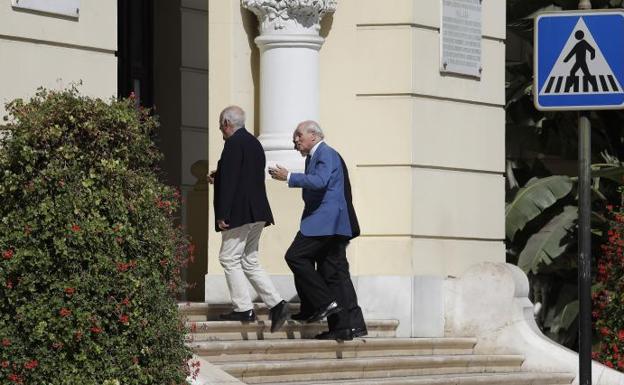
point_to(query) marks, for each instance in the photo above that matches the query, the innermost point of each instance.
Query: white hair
(235, 115)
(312, 127)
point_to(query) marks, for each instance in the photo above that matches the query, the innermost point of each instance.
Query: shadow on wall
(326, 25)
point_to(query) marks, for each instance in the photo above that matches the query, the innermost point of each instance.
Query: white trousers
(239, 258)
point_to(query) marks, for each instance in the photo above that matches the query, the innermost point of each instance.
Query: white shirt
(312, 151)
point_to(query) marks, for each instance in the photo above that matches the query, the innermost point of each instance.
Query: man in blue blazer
(327, 224)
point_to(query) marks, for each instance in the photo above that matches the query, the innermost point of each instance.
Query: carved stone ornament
(280, 14)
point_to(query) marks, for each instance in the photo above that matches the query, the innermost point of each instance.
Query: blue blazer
(325, 212)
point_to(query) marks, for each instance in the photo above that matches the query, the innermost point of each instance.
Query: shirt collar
(313, 150)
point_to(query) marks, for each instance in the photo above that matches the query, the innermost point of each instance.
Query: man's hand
(222, 225)
(278, 172)
(211, 176)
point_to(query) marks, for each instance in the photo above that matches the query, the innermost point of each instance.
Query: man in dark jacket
(241, 212)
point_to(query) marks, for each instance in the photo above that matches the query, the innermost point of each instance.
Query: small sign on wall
(460, 37)
(69, 8)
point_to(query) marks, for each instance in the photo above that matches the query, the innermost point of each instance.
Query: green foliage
(608, 297)
(90, 259)
(533, 199)
(550, 242)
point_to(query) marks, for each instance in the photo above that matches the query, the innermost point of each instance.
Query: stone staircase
(254, 355)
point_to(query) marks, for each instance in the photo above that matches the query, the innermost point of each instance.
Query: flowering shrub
(608, 295)
(89, 257)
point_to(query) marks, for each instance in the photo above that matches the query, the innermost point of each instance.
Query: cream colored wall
(45, 50)
(430, 148)
(425, 151)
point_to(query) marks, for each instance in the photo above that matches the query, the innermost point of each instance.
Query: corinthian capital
(290, 15)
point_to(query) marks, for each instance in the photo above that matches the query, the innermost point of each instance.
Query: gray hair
(312, 127)
(233, 114)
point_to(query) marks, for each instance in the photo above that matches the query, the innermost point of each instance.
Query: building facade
(425, 149)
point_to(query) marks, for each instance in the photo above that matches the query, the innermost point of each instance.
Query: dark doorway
(135, 55)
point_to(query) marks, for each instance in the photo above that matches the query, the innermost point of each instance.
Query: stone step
(261, 330)
(199, 311)
(232, 351)
(369, 367)
(518, 378)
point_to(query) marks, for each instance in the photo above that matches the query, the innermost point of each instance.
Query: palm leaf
(533, 199)
(549, 242)
(615, 173)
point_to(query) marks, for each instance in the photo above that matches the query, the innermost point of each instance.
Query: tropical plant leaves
(533, 199)
(615, 174)
(550, 242)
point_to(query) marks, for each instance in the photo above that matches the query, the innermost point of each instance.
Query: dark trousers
(322, 275)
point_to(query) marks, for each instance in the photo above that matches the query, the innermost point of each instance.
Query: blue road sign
(579, 61)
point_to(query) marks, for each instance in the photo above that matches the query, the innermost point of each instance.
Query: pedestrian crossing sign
(579, 60)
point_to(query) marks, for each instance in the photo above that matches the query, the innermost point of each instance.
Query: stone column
(289, 44)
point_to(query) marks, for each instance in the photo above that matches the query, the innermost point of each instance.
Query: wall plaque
(460, 37)
(69, 8)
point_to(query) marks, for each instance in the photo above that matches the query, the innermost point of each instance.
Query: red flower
(6, 342)
(609, 364)
(70, 291)
(31, 364)
(75, 228)
(64, 312)
(78, 335)
(15, 378)
(621, 335)
(96, 330)
(126, 301)
(124, 319)
(604, 331)
(4, 364)
(7, 254)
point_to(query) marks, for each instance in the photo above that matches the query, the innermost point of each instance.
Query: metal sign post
(584, 250)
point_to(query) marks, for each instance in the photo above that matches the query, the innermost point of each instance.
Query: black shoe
(300, 316)
(359, 332)
(325, 311)
(243, 316)
(338, 335)
(278, 315)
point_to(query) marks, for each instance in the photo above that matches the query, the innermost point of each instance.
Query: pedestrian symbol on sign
(581, 68)
(578, 64)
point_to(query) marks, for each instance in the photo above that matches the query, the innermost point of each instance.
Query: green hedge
(90, 258)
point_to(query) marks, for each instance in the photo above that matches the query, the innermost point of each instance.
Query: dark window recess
(134, 55)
